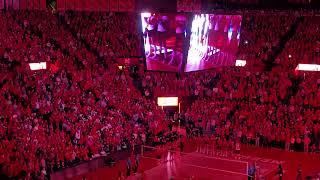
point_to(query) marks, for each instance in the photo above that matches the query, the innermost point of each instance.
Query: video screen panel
(168, 101)
(165, 40)
(214, 41)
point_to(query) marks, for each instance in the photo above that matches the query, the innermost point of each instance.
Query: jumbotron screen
(165, 38)
(214, 41)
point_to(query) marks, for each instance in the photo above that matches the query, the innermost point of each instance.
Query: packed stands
(260, 35)
(83, 105)
(287, 101)
(306, 40)
(80, 107)
(266, 110)
(112, 34)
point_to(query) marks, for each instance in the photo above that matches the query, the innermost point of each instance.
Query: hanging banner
(95, 5)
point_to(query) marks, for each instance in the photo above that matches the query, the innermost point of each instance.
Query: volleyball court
(201, 164)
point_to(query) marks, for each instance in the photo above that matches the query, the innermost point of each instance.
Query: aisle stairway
(82, 40)
(269, 62)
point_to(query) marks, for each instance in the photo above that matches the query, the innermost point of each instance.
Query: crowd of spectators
(76, 109)
(261, 34)
(164, 84)
(279, 107)
(277, 125)
(110, 34)
(306, 39)
(84, 105)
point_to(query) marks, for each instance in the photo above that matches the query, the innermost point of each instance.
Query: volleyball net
(197, 164)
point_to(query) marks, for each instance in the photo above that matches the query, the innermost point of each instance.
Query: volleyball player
(251, 171)
(128, 167)
(280, 172)
(171, 152)
(137, 161)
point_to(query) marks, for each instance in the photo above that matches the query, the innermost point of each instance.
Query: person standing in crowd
(181, 146)
(171, 152)
(129, 164)
(137, 161)
(280, 172)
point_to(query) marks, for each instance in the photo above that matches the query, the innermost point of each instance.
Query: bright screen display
(214, 41)
(165, 38)
(308, 67)
(167, 101)
(38, 66)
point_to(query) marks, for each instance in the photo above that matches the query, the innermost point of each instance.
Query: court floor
(207, 168)
(198, 165)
